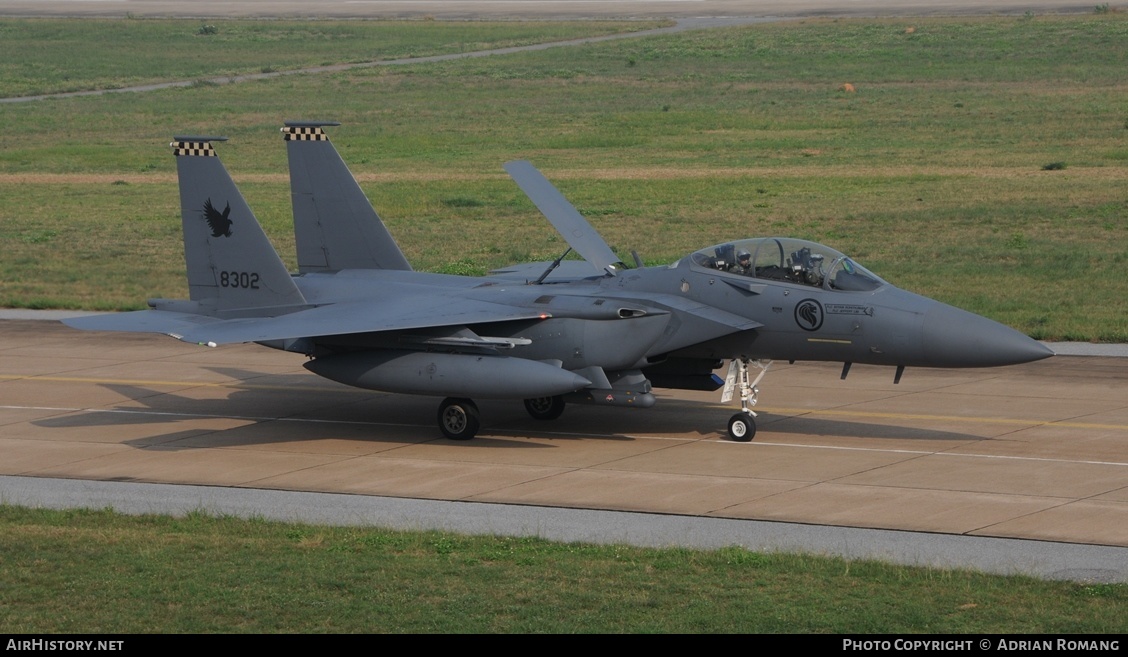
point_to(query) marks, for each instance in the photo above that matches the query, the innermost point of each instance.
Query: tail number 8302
(240, 279)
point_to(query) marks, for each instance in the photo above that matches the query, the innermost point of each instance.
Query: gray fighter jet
(593, 331)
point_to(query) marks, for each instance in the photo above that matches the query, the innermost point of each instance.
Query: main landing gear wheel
(545, 408)
(742, 427)
(458, 418)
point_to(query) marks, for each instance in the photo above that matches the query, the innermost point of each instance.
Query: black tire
(741, 427)
(545, 408)
(458, 418)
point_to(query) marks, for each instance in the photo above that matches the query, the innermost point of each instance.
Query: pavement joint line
(1033, 512)
(845, 448)
(1004, 457)
(636, 437)
(797, 412)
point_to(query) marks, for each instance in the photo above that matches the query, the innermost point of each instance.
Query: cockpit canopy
(789, 260)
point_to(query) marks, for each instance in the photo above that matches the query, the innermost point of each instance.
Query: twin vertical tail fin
(233, 270)
(335, 226)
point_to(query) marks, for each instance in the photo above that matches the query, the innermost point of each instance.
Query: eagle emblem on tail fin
(218, 222)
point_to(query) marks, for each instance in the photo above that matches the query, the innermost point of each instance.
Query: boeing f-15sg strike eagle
(591, 331)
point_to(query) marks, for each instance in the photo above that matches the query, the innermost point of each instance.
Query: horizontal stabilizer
(563, 215)
(143, 321)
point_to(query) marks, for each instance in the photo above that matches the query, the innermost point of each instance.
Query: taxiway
(1037, 451)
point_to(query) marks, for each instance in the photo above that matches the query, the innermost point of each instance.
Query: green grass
(931, 173)
(39, 56)
(97, 572)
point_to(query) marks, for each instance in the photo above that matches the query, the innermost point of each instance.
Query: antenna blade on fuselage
(563, 215)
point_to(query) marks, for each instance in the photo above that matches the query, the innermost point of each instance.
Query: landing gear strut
(742, 426)
(458, 418)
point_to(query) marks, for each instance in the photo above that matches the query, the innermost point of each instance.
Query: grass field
(52, 56)
(931, 172)
(97, 572)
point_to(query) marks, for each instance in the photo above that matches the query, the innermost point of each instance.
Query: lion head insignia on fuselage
(809, 315)
(219, 222)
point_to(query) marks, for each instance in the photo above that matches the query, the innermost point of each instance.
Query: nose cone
(957, 338)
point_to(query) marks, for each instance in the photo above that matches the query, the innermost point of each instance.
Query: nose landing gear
(742, 426)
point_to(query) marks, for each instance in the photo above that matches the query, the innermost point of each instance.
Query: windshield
(791, 260)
